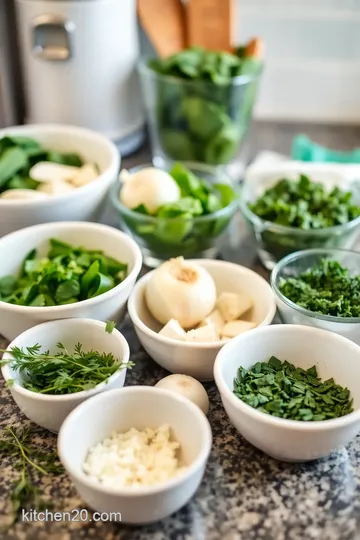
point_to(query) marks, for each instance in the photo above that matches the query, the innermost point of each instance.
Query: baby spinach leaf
(66, 290)
(12, 160)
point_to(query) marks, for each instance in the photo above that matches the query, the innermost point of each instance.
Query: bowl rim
(138, 323)
(263, 224)
(239, 80)
(113, 167)
(297, 255)
(83, 394)
(233, 206)
(84, 479)
(318, 425)
(71, 225)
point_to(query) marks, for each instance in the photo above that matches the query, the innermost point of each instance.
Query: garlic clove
(173, 330)
(46, 171)
(56, 188)
(234, 328)
(204, 334)
(151, 187)
(84, 175)
(215, 318)
(232, 305)
(180, 290)
(23, 194)
(187, 387)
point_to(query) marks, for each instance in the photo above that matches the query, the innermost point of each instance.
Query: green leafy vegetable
(110, 325)
(67, 275)
(305, 205)
(28, 459)
(201, 113)
(177, 231)
(19, 154)
(326, 288)
(281, 389)
(62, 372)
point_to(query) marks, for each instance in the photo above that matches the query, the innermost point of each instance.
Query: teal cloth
(303, 149)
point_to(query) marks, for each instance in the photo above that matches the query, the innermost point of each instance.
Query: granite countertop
(245, 495)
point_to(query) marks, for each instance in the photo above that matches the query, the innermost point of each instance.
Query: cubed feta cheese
(234, 328)
(214, 318)
(232, 306)
(173, 330)
(203, 334)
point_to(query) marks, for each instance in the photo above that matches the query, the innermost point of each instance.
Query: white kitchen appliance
(79, 66)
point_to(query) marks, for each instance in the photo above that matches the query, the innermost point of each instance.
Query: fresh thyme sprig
(18, 444)
(62, 372)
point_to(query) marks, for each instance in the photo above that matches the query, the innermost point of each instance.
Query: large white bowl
(110, 305)
(49, 411)
(197, 359)
(82, 204)
(291, 440)
(138, 407)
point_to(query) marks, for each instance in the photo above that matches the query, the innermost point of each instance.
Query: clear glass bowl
(197, 120)
(163, 238)
(295, 264)
(276, 241)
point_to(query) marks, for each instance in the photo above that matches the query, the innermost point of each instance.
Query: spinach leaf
(12, 160)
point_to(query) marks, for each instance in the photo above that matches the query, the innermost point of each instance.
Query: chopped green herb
(202, 116)
(62, 372)
(281, 389)
(66, 275)
(21, 446)
(326, 288)
(305, 205)
(110, 325)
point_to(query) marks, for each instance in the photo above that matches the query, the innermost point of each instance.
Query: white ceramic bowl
(197, 359)
(110, 305)
(83, 204)
(138, 407)
(291, 440)
(49, 411)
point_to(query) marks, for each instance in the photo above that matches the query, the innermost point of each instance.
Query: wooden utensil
(164, 24)
(209, 24)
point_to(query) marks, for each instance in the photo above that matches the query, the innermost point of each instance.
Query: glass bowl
(197, 120)
(291, 313)
(275, 241)
(164, 238)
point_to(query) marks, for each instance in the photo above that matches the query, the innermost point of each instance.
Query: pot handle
(52, 37)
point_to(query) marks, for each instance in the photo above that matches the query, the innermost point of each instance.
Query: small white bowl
(109, 305)
(138, 407)
(49, 411)
(291, 440)
(197, 359)
(82, 204)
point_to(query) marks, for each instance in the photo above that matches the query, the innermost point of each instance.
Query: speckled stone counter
(245, 495)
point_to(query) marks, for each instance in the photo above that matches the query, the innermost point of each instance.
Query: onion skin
(182, 291)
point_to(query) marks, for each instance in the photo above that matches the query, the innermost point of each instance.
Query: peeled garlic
(180, 290)
(150, 187)
(187, 387)
(55, 188)
(46, 171)
(84, 175)
(22, 194)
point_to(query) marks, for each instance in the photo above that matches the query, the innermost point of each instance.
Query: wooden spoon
(164, 24)
(209, 24)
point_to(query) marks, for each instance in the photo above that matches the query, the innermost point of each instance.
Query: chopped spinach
(19, 154)
(327, 288)
(281, 389)
(305, 205)
(66, 275)
(177, 230)
(201, 113)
